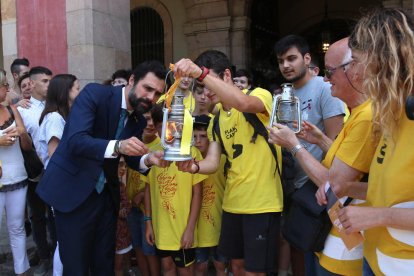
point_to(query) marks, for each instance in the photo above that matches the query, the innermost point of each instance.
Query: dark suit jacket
(77, 163)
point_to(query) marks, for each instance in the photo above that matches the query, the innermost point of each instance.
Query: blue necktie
(101, 181)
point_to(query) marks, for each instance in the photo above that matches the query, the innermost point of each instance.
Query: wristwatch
(296, 148)
(117, 148)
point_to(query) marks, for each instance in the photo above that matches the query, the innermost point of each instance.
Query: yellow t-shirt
(347, 113)
(171, 194)
(390, 251)
(209, 221)
(354, 147)
(253, 185)
(134, 183)
(189, 101)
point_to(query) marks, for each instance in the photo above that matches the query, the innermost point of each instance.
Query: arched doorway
(147, 36)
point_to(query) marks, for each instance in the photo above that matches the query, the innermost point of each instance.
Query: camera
(409, 107)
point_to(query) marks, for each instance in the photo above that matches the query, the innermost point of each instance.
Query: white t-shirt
(317, 105)
(52, 126)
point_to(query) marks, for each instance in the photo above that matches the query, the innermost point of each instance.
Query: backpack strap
(260, 129)
(217, 134)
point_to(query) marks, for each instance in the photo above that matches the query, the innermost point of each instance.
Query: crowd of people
(104, 191)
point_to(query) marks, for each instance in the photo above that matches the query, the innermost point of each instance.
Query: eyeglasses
(6, 84)
(118, 82)
(329, 72)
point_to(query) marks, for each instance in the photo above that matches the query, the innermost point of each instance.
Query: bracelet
(197, 165)
(204, 73)
(296, 148)
(146, 218)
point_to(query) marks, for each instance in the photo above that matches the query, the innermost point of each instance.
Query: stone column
(9, 37)
(218, 25)
(240, 42)
(99, 38)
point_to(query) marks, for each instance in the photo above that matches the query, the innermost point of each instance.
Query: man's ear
(131, 80)
(15, 76)
(227, 76)
(307, 58)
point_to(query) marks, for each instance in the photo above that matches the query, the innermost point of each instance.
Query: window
(147, 36)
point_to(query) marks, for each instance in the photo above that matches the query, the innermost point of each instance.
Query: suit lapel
(114, 110)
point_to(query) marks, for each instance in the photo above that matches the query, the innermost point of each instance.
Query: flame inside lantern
(171, 131)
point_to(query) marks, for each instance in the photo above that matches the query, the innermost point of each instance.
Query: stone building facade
(92, 38)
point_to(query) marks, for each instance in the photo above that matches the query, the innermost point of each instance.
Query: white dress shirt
(31, 118)
(109, 152)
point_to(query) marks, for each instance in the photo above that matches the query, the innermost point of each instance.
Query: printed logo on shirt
(209, 195)
(229, 133)
(168, 188)
(306, 105)
(380, 157)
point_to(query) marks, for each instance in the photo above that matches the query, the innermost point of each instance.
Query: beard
(140, 105)
(301, 75)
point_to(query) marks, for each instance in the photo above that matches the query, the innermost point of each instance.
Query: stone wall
(99, 38)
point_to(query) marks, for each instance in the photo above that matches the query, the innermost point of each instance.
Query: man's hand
(133, 147)
(321, 196)
(25, 103)
(186, 68)
(355, 218)
(282, 136)
(156, 158)
(310, 133)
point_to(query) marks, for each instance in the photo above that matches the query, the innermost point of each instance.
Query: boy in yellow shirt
(172, 206)
(147, 260)
(209, 221)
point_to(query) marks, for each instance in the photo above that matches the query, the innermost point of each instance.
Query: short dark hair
(121, 73)
(40, 70)
(201, 122)
(15, 66)
(245, 73)
(57, 98)
(289, 41)
(214, 60)
(157, 113)
(23, 77)
(153, 66)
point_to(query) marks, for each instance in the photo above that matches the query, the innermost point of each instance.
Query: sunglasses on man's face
(329, 72)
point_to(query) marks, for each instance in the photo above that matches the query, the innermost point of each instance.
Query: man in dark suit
(81, 181)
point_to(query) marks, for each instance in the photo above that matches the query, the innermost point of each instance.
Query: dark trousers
(40, 221)
(86, 236)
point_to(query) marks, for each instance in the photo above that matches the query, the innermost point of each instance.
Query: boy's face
(158, 127)
(201, 140)
(149, 130)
